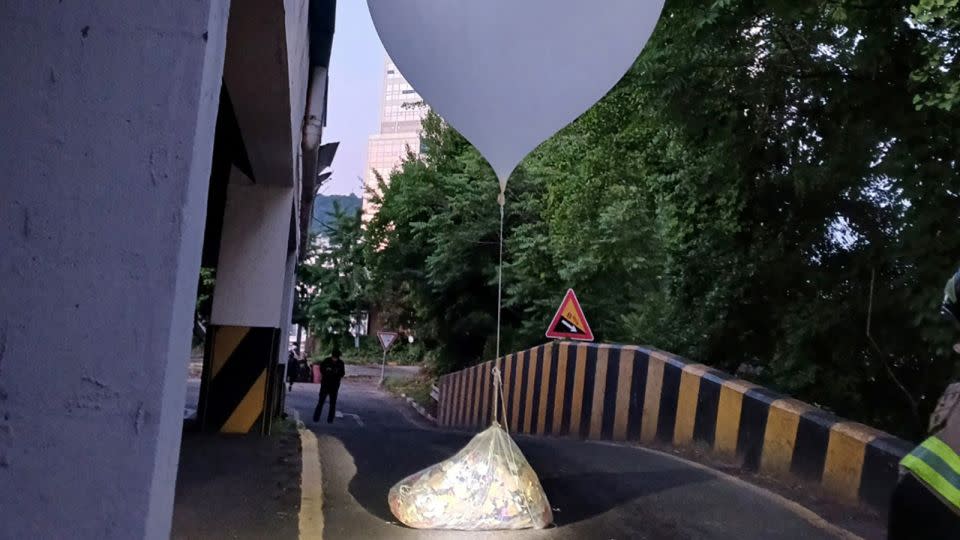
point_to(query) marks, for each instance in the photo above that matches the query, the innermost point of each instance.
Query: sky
(356, 81)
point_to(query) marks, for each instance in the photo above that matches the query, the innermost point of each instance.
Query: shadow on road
(389, 458)
(242, 486)
(580, 497)
(582, 481)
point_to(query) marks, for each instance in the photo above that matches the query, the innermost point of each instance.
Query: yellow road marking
(530, 384)
(687, 403)
(311, 488)
(599, 390)
(651, 400)
(624, 389)
(729, 410)
(561, 384)
(515, 384)
(579, 374)
(544, 388)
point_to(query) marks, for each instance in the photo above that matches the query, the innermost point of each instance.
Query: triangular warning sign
(387, 339)
(569, 322)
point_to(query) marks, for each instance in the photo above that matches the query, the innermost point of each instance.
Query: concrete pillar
(108, 114)
(266, 75)
(248, 308)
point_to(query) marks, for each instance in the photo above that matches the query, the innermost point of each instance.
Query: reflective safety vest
(938, 466)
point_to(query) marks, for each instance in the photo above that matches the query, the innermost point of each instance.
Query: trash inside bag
(486, 486)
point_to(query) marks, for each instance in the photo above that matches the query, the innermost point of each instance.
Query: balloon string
(497, 380)
(495, 374)
(509, 450)
(498, 401)
(501, 201)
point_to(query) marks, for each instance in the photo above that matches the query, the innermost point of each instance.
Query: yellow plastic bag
(488, 485)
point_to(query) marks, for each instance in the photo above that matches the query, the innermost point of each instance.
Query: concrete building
(401, 113)
(141, 139)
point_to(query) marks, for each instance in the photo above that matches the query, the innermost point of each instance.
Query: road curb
(311, 484)
(420, 410)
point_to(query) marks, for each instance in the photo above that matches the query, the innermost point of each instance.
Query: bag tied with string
(488, 485)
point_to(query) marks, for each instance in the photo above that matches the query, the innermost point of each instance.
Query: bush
(370, 352)
(418, 389)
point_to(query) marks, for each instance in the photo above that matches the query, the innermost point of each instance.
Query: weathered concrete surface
(108, 115)
(289, 289)
(253, 255)
(266, 72)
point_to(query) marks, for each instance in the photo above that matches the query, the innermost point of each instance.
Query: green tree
(204, 305)
(333, 281)
(759, 185)
(938, 77)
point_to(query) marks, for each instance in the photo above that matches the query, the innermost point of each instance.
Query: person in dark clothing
(332, 371)
(916, 513)
(925, 502)
(293, 369)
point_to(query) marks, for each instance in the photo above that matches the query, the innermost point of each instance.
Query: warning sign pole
(383, 366)
(386, 341)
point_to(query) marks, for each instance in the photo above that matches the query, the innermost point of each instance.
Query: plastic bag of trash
(486, 486)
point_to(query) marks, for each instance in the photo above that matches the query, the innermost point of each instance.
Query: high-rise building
(401, 114)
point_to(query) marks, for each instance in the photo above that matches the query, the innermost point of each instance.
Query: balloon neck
(502, 197)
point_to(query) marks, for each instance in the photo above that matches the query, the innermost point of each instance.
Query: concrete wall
(253, 256)
(267, 72)
(289, 287)
(108, 115)
(642, 395)
(298, 59)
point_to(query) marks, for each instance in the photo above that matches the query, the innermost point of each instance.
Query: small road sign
(387, 339)
(569, 322)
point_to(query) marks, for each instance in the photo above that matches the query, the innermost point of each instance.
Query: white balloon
(508, 74)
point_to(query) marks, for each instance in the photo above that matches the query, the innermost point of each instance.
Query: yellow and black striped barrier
(239, 380)
(642, 395)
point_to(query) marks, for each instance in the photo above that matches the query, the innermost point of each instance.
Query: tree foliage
(333, 282)
(939, 74)
(766, 179)
(204, 305)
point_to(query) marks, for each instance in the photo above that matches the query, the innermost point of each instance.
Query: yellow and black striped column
(238, 380)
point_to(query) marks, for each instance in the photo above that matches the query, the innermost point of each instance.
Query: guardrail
(644, 395)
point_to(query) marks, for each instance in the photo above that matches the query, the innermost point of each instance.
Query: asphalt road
(367, 373)
(598, 490)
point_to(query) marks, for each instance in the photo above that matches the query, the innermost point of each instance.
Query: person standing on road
(332, 371)
(293, 369)
(926, 501)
